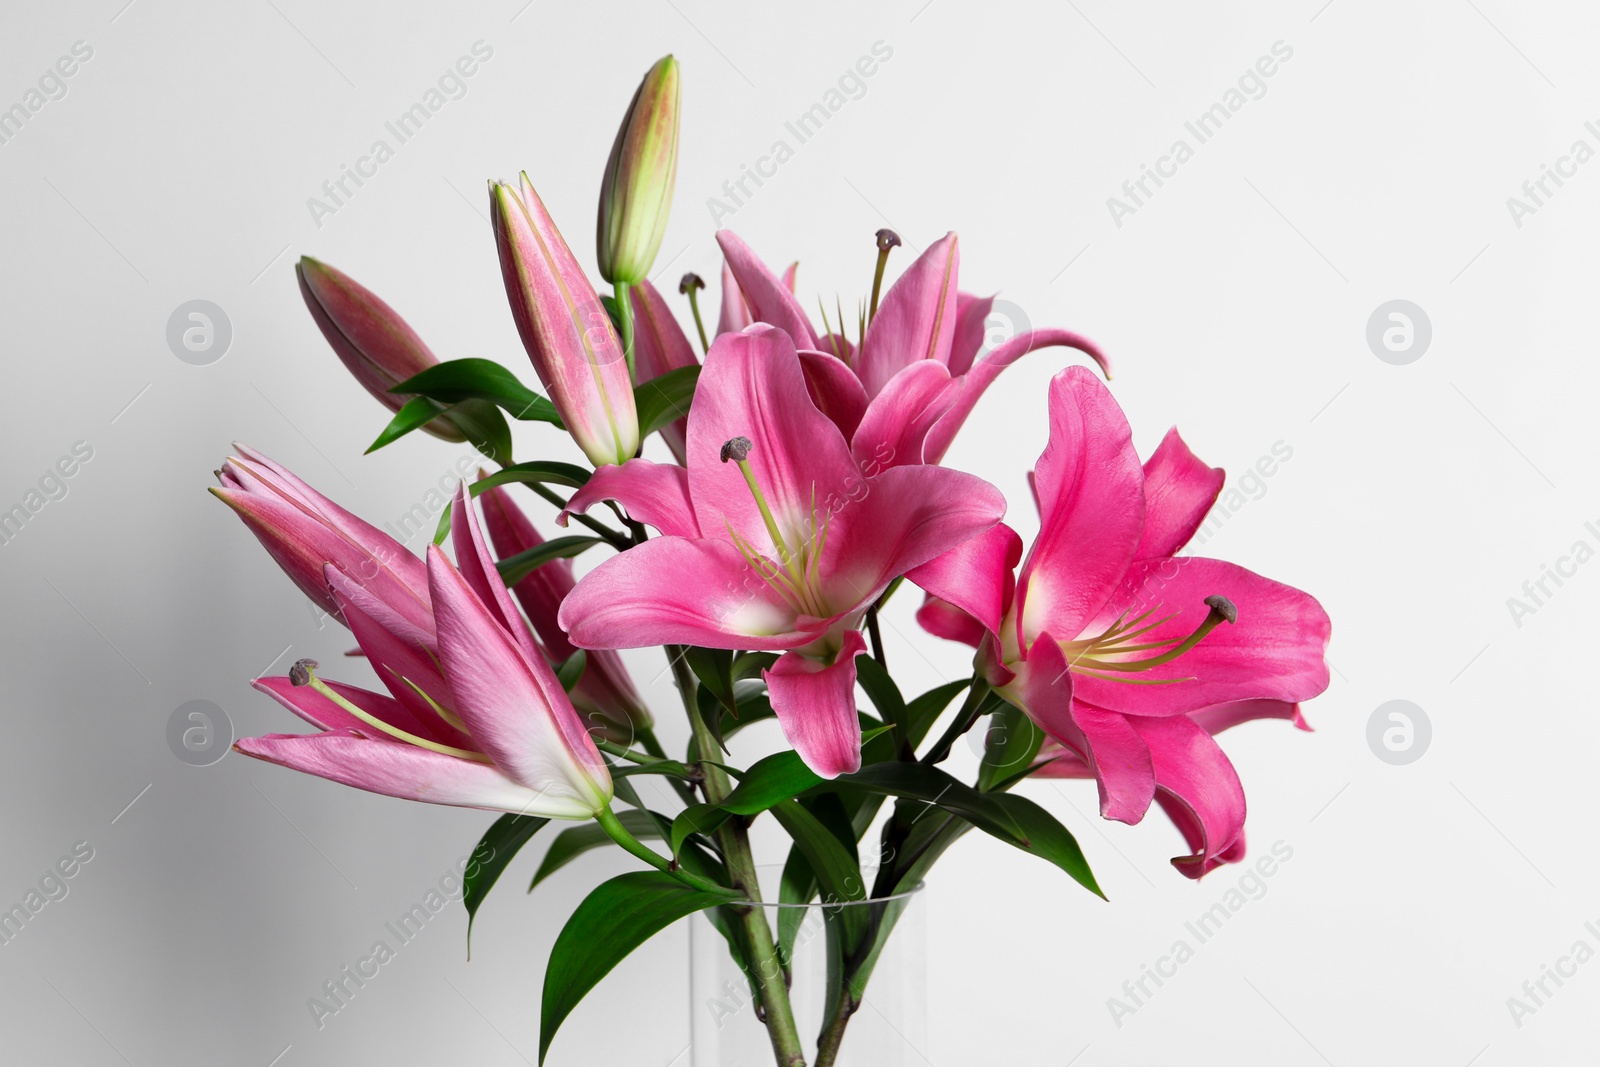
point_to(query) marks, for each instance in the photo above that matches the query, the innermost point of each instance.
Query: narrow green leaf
(931, 785)
(480, 379)
(570, 844)
(1011, 742)
(495, 851)
(618, 917)
(883, 693)
(664, 400)
(670, 767)
(414, 414)
(1046, 838)
(515, 568)
(925, 710)
(571, 669)
(550, 472)
(836, 868)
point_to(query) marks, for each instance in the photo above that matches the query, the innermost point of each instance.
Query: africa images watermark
(851, 85)
(1252, 85)
(1536, 592)
(1537, 992)
(1251, 885)
(451, 85)
(1537, 191)
(51, 85)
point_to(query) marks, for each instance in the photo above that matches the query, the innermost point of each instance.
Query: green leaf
(661, 766)
(714, 668)
(837, 871)
(480, 379)
(1047, 839)
(495, 851)
(918, 781)
(1010, 744)
(571, 669)
(925, 710)
(618, 917)
(664, 400)
(570, 844)
(515, 568)
(413, 415)
(884, 694)
(548, 471)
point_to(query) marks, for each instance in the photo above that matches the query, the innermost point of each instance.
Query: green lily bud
(636, 194)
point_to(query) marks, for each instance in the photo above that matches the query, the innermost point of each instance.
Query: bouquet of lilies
(799, 487)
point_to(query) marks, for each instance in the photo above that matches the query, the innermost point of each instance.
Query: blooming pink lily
(306, 533)
(604, 695)
(1127, 655)
(774, 539)
(568, 335)
(491, 728)
(917, 374)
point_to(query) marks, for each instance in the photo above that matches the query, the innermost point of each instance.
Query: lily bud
(374, 343)
(564, 327)
(636, 193)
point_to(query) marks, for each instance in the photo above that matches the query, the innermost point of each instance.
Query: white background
(1418, 499)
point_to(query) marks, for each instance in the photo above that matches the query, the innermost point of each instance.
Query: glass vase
(889, 1026)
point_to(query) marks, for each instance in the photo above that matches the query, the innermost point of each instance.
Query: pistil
(303, 673)
(798, 566)
(1091, 655)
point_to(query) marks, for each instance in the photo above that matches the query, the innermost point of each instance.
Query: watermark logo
(1399, 332)
(199, 332)
(1399, 732)
(199, 733)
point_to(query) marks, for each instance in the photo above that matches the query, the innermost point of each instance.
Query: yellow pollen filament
(1093, 656)
(394, 731)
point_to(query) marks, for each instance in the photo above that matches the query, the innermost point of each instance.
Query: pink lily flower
(774, 539)
(306, 533)
(564, 327)
(492, 727)
(917, 376)
(604, 695)
(1125, 654)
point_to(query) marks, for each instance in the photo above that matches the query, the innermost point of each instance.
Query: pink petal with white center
(656, 494)
(396, 769)
(816, 705)
(513, 706)
(1091, 492)
(903, 518)
(1178, 492)
(679, 590)
(916, 320)
(752, 387)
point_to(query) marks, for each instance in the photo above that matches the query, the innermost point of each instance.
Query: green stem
(877, 637)
(613, 537)
(613, 826)
(625, 322)
(734, 840)
(970, 710)
(624, 752)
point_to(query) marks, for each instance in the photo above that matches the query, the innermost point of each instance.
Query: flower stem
(624, 304)
(613, 827)
(964, 720)
(734, 840)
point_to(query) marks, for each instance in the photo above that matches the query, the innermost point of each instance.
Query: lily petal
(1178, 492)
(324, 714)
(1198, 788)
(395, 769)
(653, 493)
(735, 314)
(768, 299)
(972, 319)
(897, 422)
(917, 319)
(816, 706)
(659, 345)
(752, 387)
(513, 706)
(476, 565)
(1091, 497)
(835, 389)
(987, 369)
(680, 590)
(976, 577)
(1274, 651)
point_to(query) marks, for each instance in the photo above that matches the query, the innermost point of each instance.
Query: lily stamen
(304, 673)
(1092, 655)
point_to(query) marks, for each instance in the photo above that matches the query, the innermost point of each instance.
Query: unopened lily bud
(374, 343)
(636, 193)
(564, 327)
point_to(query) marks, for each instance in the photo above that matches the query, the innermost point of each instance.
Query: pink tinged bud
(369, 337)
(636, 193)
(569, 337)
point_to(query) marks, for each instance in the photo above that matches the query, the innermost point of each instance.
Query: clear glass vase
(889, 1025)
